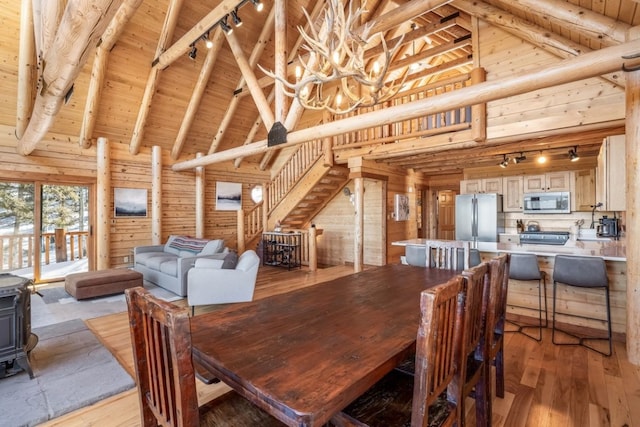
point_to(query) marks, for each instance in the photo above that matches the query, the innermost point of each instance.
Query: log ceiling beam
(166, 57)
(258, 49)
(585, 66)
(534, 34)
(80, 27)
(26, 68)
(107, 42)
(252, 82)
(171, 19)
(596, 26)
(217, 39)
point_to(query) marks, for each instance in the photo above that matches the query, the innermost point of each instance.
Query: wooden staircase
(312, 193)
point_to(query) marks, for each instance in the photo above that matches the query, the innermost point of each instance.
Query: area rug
(72, 369)
(55, 305)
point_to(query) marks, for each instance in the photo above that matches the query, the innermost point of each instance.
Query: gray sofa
(167, 265)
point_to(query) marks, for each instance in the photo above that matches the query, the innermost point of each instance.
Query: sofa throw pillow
(230, 261)
(213, 247)
(189, 244)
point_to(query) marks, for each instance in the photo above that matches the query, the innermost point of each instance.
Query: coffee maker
(608, 227)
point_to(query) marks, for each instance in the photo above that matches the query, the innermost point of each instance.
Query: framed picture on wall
(130, 202)
(228, 196)
(401, 207)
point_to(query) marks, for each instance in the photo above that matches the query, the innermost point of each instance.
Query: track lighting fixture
(207, 42)
(519, 159)
(225, 27)
(573, 154)
(193, 52)
(258, 4)
(505, 161)
(541, 158)
(235, 18)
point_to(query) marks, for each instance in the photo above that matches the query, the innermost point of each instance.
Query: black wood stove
(16, 339)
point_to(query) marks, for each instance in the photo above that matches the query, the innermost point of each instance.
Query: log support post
(240, 227)
(358, 231)
(313, 249)
(200, 184)
(156, 195)
(632, 147)
(479, 111)
(103, 198)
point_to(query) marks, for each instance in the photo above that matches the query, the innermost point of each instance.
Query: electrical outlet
(126, 259)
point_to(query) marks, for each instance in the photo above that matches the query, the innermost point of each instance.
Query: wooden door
(447, 215)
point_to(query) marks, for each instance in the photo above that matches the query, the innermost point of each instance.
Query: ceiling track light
(225, 27)
(519, 159)
(193, 52)
(258, 5)
(573, 154)
(207, 42)
(505, 161)
(541, 158)
(235, 18)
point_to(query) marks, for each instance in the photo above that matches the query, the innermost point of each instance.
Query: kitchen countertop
(614, 250)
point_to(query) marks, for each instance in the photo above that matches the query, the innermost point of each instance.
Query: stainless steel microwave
(551, 202)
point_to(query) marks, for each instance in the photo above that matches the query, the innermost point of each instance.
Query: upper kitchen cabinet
(486, 185)
(611, 179)
(552, 181)
(512, 196)
(585, 194)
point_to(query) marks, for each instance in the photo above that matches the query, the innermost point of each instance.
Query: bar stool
(525, 267)
(583, 272)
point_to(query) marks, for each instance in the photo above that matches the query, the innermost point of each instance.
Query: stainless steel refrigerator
(479, 217)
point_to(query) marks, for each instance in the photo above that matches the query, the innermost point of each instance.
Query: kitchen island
(581, 300)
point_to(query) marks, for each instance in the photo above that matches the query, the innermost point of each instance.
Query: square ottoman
(103, 282)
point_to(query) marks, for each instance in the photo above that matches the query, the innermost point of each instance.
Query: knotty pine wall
(580, 103)
(60, 160)
(337, 220)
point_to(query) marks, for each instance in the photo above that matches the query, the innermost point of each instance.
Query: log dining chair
(399, 400)
(495, 318)
(444, 254)
(524, 267)
(161, 338)
(587, 273)
(475, 383)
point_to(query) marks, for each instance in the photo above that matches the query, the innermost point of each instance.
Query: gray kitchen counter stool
(583, 272)
(525, 267)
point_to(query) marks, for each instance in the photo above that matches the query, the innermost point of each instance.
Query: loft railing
(18, 249)
(448, 121)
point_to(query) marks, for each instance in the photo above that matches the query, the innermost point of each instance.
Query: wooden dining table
(304, 355)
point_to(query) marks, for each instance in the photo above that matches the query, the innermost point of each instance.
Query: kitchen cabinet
(512, 187)
(485, 185)
(585, 190)
(611, 179)
(552, 181)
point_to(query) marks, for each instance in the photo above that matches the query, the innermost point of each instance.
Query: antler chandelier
(335, 76)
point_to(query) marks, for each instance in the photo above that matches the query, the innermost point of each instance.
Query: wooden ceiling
(153, 93)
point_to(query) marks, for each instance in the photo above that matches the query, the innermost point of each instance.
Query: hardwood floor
(546, 385)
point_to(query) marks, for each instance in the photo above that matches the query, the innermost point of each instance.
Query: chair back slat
(437, 346)
(444, 253)
(161, 338)
(499, 276)
(477, 282)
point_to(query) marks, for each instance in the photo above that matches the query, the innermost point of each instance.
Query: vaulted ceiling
(151, 81)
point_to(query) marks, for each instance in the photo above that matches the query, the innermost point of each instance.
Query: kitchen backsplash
(558, 222)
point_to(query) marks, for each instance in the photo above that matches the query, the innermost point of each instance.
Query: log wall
(580, 103)
(337, 222)
(57, 160)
